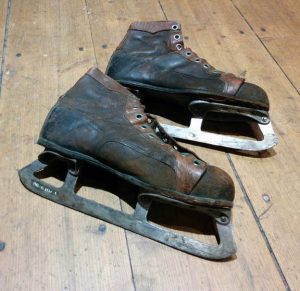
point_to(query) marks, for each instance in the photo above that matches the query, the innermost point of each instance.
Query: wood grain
(277, 23)
(49, 247)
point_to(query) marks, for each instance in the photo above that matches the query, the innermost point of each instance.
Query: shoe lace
(163, 135)
(178, 45)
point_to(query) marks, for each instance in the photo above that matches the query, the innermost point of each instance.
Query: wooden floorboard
(277, 23)
(49, 247)
(50, 44)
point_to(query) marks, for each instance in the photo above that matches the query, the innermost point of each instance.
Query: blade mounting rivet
(224, 219)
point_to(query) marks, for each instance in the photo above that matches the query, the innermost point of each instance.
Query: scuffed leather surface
(97, 117)
(213, 182)
(148, 55)
(232, 83)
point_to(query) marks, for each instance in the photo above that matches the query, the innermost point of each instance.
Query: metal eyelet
(165, 140)
(179, 46)
(135, 107)
(197, 162)
(188, 53)
(197, 60)
(139, 116)
(175, 148)
(176, 36)
(206, 66)
(184, 154)
(175, 27)
(151, 135)
(144, 126)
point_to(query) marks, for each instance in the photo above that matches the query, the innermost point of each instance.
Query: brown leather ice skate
(100, 122)
(153, 60)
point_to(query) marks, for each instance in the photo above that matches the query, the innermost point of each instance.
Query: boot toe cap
(215, 184)
(254, 95)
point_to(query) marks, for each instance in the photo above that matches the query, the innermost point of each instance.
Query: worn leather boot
(152, 55)
(100, 122)
(153, 60)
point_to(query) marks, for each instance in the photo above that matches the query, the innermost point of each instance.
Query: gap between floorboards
(5, 36)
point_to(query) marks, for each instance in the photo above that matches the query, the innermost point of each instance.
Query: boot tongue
(155, 26)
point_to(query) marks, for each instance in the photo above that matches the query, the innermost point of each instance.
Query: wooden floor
(46, 46)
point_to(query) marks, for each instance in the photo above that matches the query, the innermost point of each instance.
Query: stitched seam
(135, 149)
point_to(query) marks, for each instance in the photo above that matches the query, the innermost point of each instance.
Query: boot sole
(191, 95)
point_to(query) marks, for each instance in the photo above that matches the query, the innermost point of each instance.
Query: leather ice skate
(152, 59)
(100, 122)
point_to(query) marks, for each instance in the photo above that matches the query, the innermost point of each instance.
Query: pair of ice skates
(100, 122)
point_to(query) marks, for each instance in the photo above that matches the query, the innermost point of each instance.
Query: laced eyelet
(175, 27)
(196, 162)
(179, 46)
(206, 66)
(188, 54)
(176, 36)
(139, 116)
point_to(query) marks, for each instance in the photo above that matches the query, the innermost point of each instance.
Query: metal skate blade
(136, 222)
(225, 249)
(194, 133)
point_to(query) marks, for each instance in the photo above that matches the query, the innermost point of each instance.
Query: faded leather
(100, 118)
(153, 26)
(232, 83)
(153, 54)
